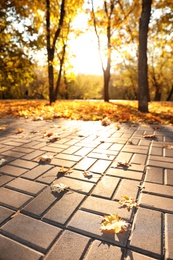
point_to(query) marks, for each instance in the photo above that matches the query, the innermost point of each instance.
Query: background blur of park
(72, 36)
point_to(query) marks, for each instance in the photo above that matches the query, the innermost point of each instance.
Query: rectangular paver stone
(122, 173)
(63, 209)
(89, 224)
(5, 214)
(12, 170)
(106, 186)
(169, 236)
(127, 187)
(42, 202)
(154, 174)
(147, 231)
(102, 251)
(69, 246)
(158, 189)
(13, 199)
(10, 249)
(27, 186)
(24, 163)
(100, 166)
(31, 232)
(156, 202)
(37, 171)
(103, 207)
(85, 164)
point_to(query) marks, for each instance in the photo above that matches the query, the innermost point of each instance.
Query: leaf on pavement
(114, 224)
(152, 136)
(2, 161)
(64, 171)
(128, 202)
(19, 130)
(2, 128)
(15, 214)
(123, 164)
(37, 118)
(87, 174)
(45, 158)
(106, 121)
(58, 187)
(54, 138)
(168, 146)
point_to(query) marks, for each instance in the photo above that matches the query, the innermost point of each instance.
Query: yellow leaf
(114, 224)
(128, 202)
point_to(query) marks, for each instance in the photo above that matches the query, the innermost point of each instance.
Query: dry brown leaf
(168, 146)
(47, 134)
(54, 138)
(45, 158)
(106, 121)
(123, 164)
(64, 171)
(128, 202)
(15, 214)
(150, 136)
(58, 187)
(87, 174)
(2, 128)
(114, 224)
(37, 118)
(19, 130)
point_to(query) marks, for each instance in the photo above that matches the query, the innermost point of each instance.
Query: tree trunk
(158, 93)
(143, 89)
(170, 94)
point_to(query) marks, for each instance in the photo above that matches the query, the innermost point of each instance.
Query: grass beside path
(116, 111)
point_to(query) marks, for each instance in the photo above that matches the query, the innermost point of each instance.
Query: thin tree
(143, 89)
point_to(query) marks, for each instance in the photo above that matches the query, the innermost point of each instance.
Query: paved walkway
(38, 224)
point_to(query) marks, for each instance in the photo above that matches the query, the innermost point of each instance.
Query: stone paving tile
(69, 157)
(88, 224)
(61, 162)
(5, 179)
(160, 161)
(26, 186)
(127, 187)
(41, 203)
(49, 176)
(64, 208)
(139, 159)
(100, 166)
(71, 149)
(135, 149)
(12, 170)
(69, 246)
(134, 255)
(11, 249)
(24, 163)
(32, 155)
(122, 173)
(5, 213)
(106, 186)
(158, 189)
(76, 185)
(156, 202)
(31, 232)
(169, 236)
(154, 174)
(85, 164)
(103, 206)
(12, 153)
(102, 251)
(76, 174)
(168, 177)
(148, 222)
(83, 151)
(104, 156)
(13, 199)
(37, 171)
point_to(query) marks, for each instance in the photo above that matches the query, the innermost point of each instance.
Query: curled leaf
(128, 202)
(2, 161)
(58, 187)
(152, 136)
(114, 224)
(64, 171)
(54, 138)
(45, 158)
(87, 174)
(106, 121)
(123, 164)
(19, 130)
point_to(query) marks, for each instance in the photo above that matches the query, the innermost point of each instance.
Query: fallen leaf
(87, 174)
(150, 136)
(2, 161)
(2, 128)
(54, 138)
(128, 202)
(34, 132)
(45, 158)
(168, 146)
(64, 171)
(37, 118)
(19, 130)
(106, 121)
(58, 187)
(15, 214)
(123, 164)
(114, 224)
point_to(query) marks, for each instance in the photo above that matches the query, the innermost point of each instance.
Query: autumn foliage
(120, 111)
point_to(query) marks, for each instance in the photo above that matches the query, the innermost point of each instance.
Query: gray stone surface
(38, 224)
